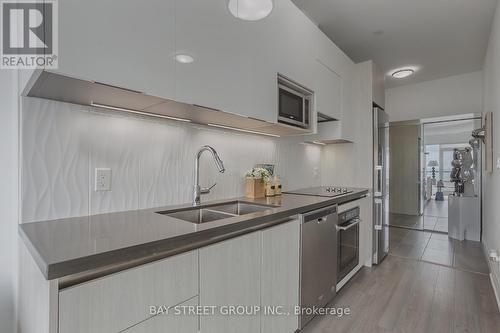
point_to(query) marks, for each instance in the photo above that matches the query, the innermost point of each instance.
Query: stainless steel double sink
(216, 212)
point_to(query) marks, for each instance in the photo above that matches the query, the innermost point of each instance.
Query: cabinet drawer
(121, 300)
(165, 323)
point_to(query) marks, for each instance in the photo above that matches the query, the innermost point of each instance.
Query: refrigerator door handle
(379, 214)
(378, 190)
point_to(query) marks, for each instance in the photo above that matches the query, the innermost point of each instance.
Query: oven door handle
(350, 225)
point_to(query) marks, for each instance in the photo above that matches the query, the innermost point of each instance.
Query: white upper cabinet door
(329, 91)
(224, 48)
(236, 62)
(295, 43)
(125, 43)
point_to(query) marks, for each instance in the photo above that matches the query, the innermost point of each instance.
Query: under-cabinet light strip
(138, 112)
(319, 143)
(104, 106)
(242, 130)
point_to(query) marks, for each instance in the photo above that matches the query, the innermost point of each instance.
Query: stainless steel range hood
(53, 86)
(329, 131)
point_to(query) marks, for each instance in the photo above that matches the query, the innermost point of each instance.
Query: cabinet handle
(322, 219)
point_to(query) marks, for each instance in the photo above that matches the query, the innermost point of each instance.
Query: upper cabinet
(226, 63)
(125, 43)
(236, 62)
(329, 88)
(225, 56)
(294, 43)
(378, 84)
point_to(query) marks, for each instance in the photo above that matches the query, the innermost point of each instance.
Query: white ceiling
(440, 37)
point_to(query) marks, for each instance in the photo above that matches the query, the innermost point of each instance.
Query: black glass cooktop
(323, 191)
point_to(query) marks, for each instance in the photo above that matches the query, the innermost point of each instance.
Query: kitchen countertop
(81, 248)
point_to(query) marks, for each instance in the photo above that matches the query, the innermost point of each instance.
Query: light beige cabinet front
(248, 273)
(119, 301)
(230, 276)
(169, 323)
(280, 277)
(260, 269)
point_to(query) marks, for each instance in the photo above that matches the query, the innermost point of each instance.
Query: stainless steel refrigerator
(380, 184)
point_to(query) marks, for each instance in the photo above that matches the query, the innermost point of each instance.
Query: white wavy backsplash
(152, 160)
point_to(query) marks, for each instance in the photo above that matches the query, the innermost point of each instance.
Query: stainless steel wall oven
(347, 242)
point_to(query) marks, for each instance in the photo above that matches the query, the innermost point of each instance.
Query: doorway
(405, 199)
(440, 140)
(419, 180)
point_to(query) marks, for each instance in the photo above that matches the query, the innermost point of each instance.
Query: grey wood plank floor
(408, 295)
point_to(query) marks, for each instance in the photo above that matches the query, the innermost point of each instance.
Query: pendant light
(250, 10)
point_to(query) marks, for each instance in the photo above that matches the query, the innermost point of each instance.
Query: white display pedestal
(464, 216)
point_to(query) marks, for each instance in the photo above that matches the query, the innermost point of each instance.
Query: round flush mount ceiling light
(402, 73)
(250, 10)
(184, 58)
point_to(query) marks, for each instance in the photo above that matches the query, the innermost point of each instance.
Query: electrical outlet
(102, 179)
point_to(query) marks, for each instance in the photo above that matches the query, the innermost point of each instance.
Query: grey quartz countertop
(83, 246)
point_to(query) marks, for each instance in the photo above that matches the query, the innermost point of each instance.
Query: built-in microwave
(294, 103)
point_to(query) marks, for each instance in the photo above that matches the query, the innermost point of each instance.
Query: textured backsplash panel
(152, 160)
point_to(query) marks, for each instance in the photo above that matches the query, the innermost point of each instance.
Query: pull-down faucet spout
(198, 191)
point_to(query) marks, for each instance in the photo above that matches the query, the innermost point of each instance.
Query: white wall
(453, 95)
(152, 160)
(8, 199)
(491, 181)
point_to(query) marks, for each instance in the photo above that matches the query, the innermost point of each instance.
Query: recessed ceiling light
(250, 10)
(402, 73)
(184, 58)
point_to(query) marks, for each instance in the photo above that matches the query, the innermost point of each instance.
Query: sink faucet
(198, 190)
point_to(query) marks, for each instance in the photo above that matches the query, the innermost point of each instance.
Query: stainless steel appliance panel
(294, 103)
(347, 242)
(318, 276)
(380, 184)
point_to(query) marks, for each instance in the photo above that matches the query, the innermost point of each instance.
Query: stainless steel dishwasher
(318, 260)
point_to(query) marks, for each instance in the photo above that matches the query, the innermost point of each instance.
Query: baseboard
(496, 288)
(495, 281)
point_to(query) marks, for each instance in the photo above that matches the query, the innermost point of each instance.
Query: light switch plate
(102, 179)
(498, 163)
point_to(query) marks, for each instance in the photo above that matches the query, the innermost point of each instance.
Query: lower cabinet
(230, 276)
(280, 278)
(118, 301)
(251, 282)
(169, 323)
(256, 274)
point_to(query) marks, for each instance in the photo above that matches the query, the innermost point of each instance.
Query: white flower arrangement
(259, 173)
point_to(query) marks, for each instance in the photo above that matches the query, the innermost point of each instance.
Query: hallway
(410, 293)
(437, 248)
(435, 218)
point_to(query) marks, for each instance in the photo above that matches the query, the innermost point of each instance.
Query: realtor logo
(29, 34)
